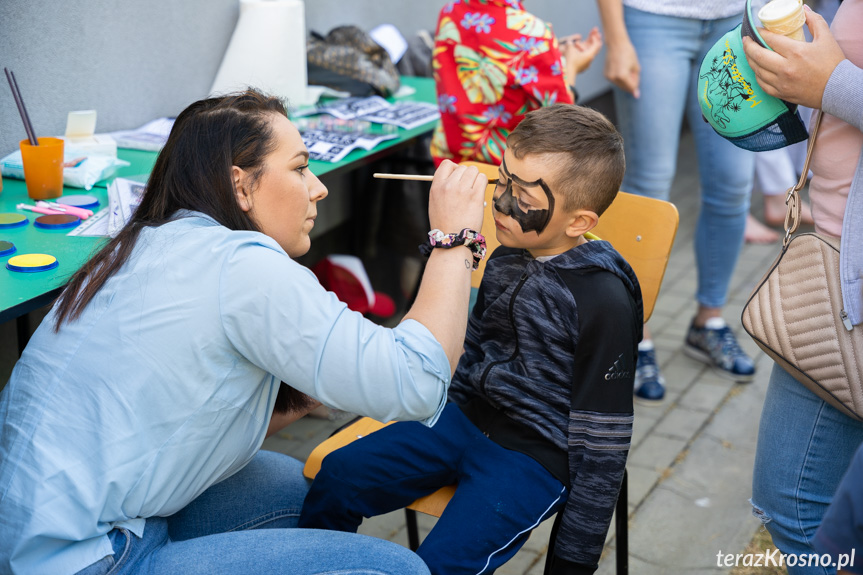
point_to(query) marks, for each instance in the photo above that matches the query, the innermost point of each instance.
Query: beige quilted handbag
(795, 313)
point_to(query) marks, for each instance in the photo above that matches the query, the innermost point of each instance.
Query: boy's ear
(581, 222)
(242, 191)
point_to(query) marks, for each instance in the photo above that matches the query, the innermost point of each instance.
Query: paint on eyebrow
(530, 220)
(523, 183)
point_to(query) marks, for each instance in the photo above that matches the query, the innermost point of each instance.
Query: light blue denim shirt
(166, 383)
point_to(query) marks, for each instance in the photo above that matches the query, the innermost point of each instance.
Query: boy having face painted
(540, 412)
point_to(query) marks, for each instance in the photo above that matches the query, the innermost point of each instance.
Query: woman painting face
(283, 201)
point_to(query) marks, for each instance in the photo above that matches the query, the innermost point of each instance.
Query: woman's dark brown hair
(192, 172)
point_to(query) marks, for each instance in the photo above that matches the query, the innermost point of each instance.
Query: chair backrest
(641, 229)
(488, 229)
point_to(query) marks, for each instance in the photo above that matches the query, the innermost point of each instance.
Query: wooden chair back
(488, 229)
(642, 230)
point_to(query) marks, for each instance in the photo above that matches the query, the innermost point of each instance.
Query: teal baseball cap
(735, 105)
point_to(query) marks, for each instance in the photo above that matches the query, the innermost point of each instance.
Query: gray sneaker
(715, 345)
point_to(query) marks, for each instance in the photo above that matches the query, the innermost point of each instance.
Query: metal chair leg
(551, 538)
(413, 530)
(621, 528)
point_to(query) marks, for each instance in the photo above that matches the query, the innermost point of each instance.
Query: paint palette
(57, 222)
(7, 249)
(80, 201)
(12, 220)
(30, 263)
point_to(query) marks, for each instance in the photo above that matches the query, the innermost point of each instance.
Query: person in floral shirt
(493, 63)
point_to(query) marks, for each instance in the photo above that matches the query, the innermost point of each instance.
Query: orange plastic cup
(43, 168)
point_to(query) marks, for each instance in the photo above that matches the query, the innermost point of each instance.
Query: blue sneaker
(649, 383)
(715, 345)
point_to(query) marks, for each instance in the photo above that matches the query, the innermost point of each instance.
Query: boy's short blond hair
(591, 164)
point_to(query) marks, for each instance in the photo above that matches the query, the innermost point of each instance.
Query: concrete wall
(134, 61)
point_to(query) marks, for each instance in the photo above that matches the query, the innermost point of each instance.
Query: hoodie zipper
(511, 314)
(846, 321)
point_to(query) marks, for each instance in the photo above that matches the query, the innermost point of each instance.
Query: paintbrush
(412, 177)
(19, 101)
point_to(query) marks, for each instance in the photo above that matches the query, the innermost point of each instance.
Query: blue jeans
(247, 524)
(502, 495)
(804, 449)
(670, 51)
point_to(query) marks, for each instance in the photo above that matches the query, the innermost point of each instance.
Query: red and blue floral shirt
(493, 63)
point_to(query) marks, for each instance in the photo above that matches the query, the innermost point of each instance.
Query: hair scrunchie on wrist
(469, 238)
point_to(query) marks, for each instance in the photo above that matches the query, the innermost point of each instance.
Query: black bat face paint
(530, 220)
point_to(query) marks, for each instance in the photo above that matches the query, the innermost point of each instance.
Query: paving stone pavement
(690, 466)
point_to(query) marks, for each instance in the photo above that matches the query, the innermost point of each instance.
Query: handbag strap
(792, 196)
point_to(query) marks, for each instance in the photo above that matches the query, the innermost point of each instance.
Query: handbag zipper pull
(845, 320)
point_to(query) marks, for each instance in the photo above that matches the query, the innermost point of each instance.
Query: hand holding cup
(796, 71)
